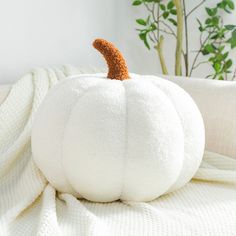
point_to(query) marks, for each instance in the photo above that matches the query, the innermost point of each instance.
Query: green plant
(171, 18)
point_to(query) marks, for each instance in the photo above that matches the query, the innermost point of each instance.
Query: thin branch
(198, 53)
(155, 37)
(151, 38)
(158, 24)
(200, 63)
(234, 75)
(195, 8)
(186, 56)
(201, 40)
(167, 32)
(165, 24)
(150, 10)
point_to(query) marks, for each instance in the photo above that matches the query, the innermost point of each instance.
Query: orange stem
(117, 68)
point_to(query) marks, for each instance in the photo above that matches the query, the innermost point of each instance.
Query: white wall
(54, 32)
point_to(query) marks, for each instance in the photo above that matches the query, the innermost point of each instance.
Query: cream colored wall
(53, 32)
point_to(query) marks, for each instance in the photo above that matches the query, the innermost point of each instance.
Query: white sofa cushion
(217, 103)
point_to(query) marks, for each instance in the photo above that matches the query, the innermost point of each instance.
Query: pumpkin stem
(117, 68)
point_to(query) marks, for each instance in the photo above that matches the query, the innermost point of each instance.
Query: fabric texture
(216, 101)
(4, 90)
(140, 138)
(31, 206)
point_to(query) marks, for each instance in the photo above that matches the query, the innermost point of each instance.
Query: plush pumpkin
(124, 136)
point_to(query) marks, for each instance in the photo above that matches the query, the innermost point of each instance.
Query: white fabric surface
(217, 103)
(30, 206)
(4, 90)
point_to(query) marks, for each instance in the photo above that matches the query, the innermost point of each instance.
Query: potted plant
(171, 18)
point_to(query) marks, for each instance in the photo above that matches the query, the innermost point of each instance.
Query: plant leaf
(232, 40)
(217, 66)
(208, 21)
(211, 11)
(230, 4)
(141, 22)
(146, 43)
(153, 26)
(165, 14)
(200, 25)
(137, 3)
(170, 5)
(209, 48)
(143, 37)
(173, 21)
(230, 27)
(228, 64)
(221, 5)
(225, 55)
(173, 12)
(163, 7)
(215, 20)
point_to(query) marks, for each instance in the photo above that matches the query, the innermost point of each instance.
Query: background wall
(54, 32)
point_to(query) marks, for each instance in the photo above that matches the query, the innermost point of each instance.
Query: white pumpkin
(107, 139)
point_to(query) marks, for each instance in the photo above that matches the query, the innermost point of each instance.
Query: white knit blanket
(31, 206)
